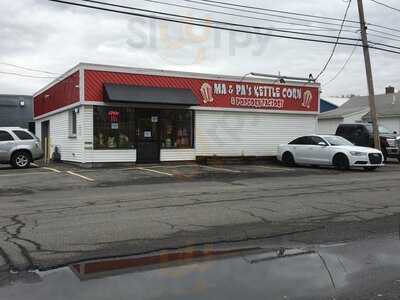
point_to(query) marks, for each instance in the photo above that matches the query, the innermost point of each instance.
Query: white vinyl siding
(177, 154)
(71, 148)
(225, 133)
(328, 126)
(121, 155)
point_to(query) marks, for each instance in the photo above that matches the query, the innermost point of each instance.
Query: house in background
(325, 106)
(17, 111)
(357, 110)
(331, 103)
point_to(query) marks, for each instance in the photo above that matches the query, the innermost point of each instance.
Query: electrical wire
(208, 21)
(293, 13)
(27, 69)
(213, 11)
(247, 11)
(342, 68)
(217, 27)
(276, 11)
(386, 5)
(264, 19)
(335, 46)
(257, 12)
(25, 75)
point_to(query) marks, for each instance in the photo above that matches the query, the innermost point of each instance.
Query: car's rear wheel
(370, 168)
(341, 162)
(288, 159)
(21, 159)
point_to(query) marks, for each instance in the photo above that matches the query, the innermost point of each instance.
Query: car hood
(357, 148)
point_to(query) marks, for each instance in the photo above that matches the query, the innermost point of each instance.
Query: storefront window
(176, 129)
(113, 127)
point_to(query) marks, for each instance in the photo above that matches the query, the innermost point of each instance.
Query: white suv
(18, 147)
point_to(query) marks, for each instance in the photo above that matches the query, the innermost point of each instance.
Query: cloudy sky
(53, 37)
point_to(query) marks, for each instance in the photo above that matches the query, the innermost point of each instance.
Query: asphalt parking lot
(63, 176)
(59, 213)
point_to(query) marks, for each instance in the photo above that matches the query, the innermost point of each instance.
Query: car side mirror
(395, 132)
(322, 144)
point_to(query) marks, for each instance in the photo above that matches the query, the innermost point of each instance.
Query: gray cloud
(46, 35)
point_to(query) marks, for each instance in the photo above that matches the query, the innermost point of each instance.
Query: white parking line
(154, 171)
(175, 166)
(81, 176)
(221, 169)
(276, 168)
(52, 169)
(23, 174)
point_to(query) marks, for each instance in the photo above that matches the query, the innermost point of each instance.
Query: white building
(96, 114)
(357, 110)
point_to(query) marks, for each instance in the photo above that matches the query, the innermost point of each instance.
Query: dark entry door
(148, 136)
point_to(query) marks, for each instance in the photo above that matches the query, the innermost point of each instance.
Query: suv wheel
(341, 162)
(21, 159)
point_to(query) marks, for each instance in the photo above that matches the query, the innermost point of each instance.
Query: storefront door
(148, 136)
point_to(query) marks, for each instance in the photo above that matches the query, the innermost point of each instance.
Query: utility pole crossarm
(368, 69)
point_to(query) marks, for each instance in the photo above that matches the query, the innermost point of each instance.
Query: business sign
(259, 96)
(215, 93)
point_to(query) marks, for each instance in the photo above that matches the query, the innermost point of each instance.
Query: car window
(5, 136)
(338, 141)
(300, 141)
(23, 135)
(347, 130)
(316, 140)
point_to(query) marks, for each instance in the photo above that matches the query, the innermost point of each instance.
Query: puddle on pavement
(321, 272)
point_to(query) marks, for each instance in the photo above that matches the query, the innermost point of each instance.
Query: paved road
(51, 217)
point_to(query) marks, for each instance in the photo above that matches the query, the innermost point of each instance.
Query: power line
(386, 5)
(25, 75)
(27, 69)
(342, 68)
(293, 13)
(335, 46)
(214, 21)
(214, 26)
(208, 21)
(276, 11)
(247, 11)
(269, 20)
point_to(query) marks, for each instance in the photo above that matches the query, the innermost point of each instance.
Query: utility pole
(370, 80)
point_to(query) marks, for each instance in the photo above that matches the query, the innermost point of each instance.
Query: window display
(113, 127)
(176, 129)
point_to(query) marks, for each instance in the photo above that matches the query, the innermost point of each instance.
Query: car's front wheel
(288, 159)
(21, 159)
(341, 162)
